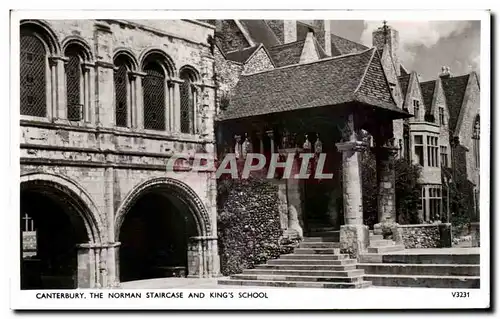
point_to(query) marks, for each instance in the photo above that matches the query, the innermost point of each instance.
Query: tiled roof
(342, 46)
(427, 89)
(321, 52)
(286, 54)
(404, 81)
(402, 70)
(454, 92)
(260, 32)
(357, 77)
(242, 55)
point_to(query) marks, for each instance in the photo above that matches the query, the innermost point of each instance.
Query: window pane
(418, 139)
(154, 97)
(32, 77)
(120, 78)
(73, 76)
(187, 107)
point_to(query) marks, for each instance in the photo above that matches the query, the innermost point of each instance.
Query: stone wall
(426, 235)
(228, 72)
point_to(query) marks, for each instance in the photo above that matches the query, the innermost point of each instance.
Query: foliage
(248, 224)
(407, 190)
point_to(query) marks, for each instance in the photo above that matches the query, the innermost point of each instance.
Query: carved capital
(355, 146)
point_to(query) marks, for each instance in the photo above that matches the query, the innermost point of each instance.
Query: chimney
(445, 72)
(285, 30)
(387, 38)
(323, 35)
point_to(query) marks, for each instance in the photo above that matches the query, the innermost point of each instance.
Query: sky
(424, 46)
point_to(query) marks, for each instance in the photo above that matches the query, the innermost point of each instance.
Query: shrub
(248, 224)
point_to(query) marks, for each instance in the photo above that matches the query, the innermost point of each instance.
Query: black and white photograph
(190, 161)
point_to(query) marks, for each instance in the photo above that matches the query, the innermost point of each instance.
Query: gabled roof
(242, 56)
(454, 92)
(342, 46)
(404, 81)
(287, 54)
(349, 78)
(260, 32)
(427, 89)
(321, 52)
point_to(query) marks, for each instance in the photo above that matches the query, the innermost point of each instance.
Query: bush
(407, 190)
(248, 224)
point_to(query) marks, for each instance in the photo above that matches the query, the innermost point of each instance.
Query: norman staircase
(316, 263)
(386, 264)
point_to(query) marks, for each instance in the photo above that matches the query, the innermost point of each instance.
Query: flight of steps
(316, 263)
(442, 268)
(380, 245)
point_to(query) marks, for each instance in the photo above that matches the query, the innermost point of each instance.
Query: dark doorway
(50, 232)
(154, 238)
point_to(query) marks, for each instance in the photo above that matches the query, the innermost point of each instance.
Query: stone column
(237, 147)
(353, 235)
(294, 200)
(386, 200)
(86, 276)
(203, 257)
(270, 133)
(261, 142)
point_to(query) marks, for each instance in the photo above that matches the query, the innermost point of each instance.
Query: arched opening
(155, 234)
(52, 227)
(124, 89)
(188, 99)
(77, 81)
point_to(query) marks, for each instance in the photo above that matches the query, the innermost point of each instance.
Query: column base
(354, 239)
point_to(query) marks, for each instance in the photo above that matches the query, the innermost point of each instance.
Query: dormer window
(416, 109)
(441, 116)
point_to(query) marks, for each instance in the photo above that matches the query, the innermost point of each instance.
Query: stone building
(104, 104)
(278, 81)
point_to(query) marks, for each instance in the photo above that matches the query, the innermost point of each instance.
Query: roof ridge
(247, 48)
(285, 44)
(312, 62)
(338, 36)
(364, 73)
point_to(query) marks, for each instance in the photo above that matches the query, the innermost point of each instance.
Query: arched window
(475, 141)
(33, 62)
(188, 100)
(75, 84)
(123, 88)
(154, 96)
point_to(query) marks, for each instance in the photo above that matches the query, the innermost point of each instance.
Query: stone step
(308, 272)
(315, 256)
(292, 267)
(320, 239)
(334, 234)
(281, 261)
(319, 245)
(297, 278)
(298, 284)
(385, 249)
(321, 251)
(420, 269)
(428, 281)
(448, 258)
(319, 229)
(381, 243)
(376, 237)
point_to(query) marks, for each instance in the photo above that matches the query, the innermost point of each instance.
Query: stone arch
(45, 32)
(161, 57)
(180, 190)
(84, 47)
(129, 56)
(86, 207)
(190, 72)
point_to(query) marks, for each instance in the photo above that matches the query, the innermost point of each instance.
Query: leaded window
(73, 71)
(121, 93)
(33, 82)
(154, 97)
(187, 91)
